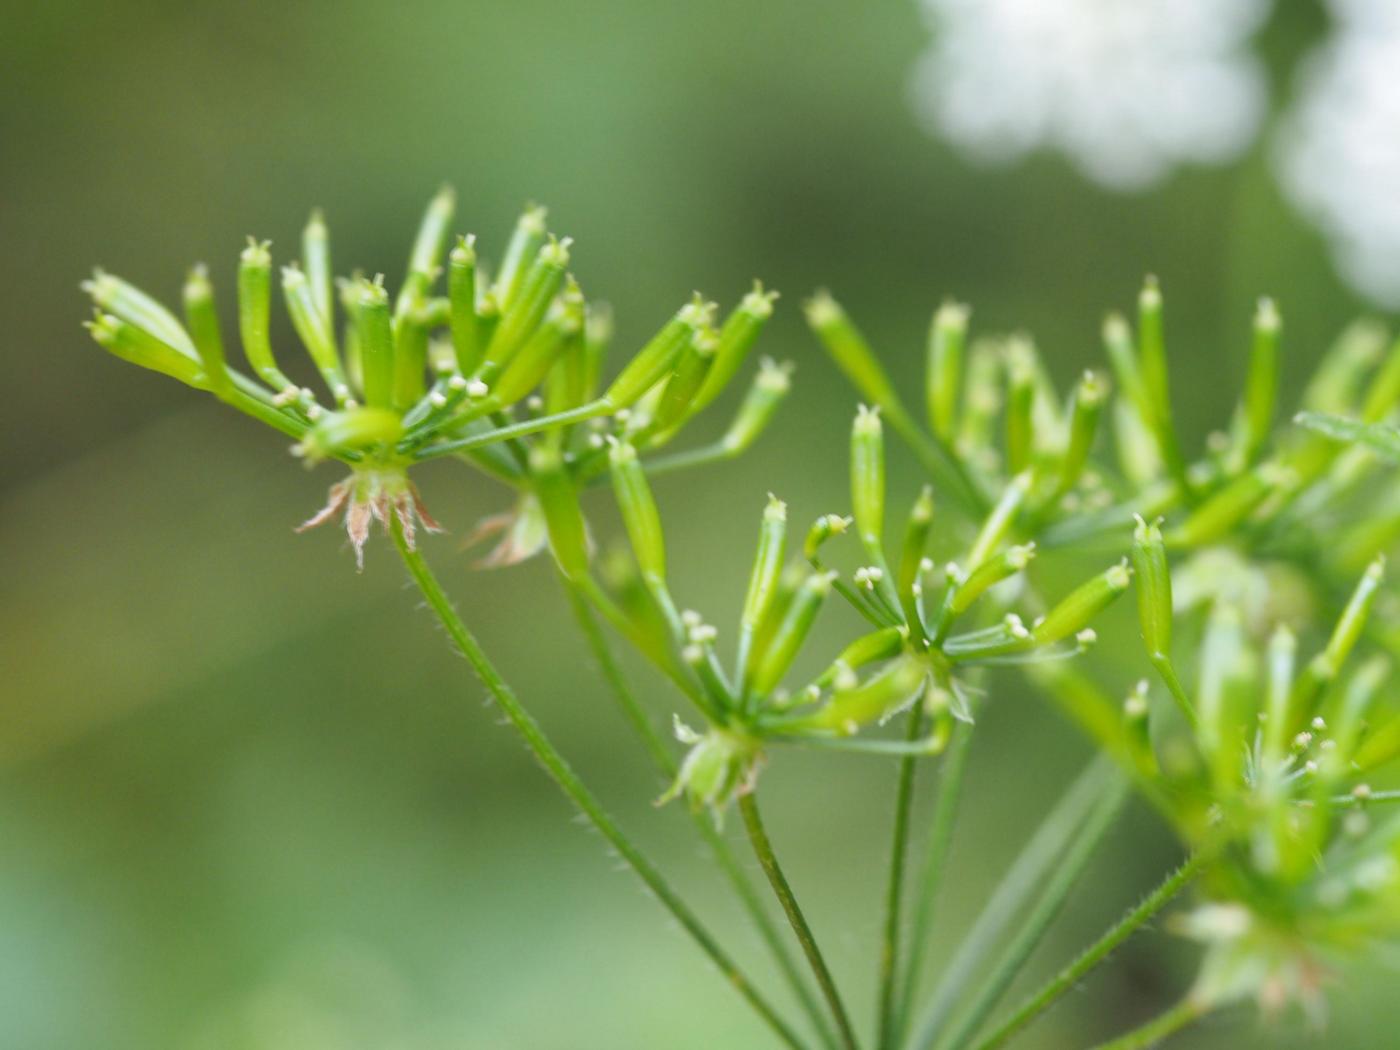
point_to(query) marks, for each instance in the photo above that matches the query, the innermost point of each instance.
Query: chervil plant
(1263, 767)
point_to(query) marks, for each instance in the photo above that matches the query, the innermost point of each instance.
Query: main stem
(1045, 997)
(931, 878)
(894, 889)
(1164, 1024)
(763, 849)
(568, 781)
(719, 848)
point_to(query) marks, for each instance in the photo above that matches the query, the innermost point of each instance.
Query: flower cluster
(915, 653)
(471, 370)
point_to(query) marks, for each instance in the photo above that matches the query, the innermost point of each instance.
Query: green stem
(724, 856)
(1161, 1026)
(1026, 874)
(894, 889)
(1062, 880)
(1096, 953)
(568, 781)
(763, 849)
(931, 877)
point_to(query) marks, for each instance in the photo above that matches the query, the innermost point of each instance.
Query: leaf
(1383, 438)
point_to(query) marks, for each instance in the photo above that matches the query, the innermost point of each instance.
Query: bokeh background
(248, 798)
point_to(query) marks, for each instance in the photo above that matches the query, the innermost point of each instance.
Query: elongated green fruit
(991, 572)
(1090, 393)
(849, 349)
(1154, 587)
(1261, 383)
(129, 303)
(911, 557)
(316, 257)
(736, 338)
(777, 656)
(1075, 612)
(254, 297)
(313, 332)
(892, 688)
(568, 535)
(525, 242)
(461, 297)
(763, 578)
(373, 330)
(639, 513)
(868, 480)
(527, 310)
(140, 347)
(943, 371)
(692, 368)
(1020, 405)
(658, 357)
(202, 318)
(770, 386)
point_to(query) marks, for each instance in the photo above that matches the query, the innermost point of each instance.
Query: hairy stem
(724, 856)
(1164, 1024)
(1046, 996)
(1057, 889)
(568, 781)
(894, 889)
(931, 877)
(763, 849)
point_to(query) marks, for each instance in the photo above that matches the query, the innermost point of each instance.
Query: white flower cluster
(1339, 150)
(1128, 89)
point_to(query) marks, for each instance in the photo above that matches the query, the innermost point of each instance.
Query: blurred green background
(248, 799)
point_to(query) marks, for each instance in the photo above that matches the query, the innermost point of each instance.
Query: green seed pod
(524, 244)
(528, 308)
(736, 338)
(911, 556)
(1357, 701)
(1282, 658)
(825, 527)
(1152, 359)
(1325, 666)
(202, 317)
(692, 368)
(568, 535)
(140, 347)
(1085, 408)
(1261, 384)
(658, 357)
(432, 235)
(884, 644)
(254, 294)
(763, 579)
(639, 512)
(373, 332)
(461, 295)
(1219, 514)
(849, 349)
(947, 336)
(128, 303)
(1224, 673)
(770, 386)
(410, 358)
(772, 661)
(1154, 588)
(316, 258)
(984, 398)
(1122, 358)
(1020, 405)
(868, 480)
(597, 337)
(352, 430)
(1075, 612)
(894, 687)
(313, 331)
(988, 574)
(528, 368)
(1335, 386)
(998, 523)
